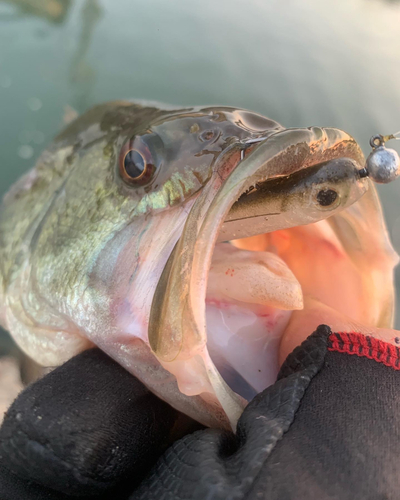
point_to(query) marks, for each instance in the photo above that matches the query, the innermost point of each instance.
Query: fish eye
(135, 165)
(327, 197)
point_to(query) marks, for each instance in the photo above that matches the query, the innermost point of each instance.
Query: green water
(300, 62)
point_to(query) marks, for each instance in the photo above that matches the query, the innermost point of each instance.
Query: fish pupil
(134, 164)
(326, 197)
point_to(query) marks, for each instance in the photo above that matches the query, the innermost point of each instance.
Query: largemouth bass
(185, 242)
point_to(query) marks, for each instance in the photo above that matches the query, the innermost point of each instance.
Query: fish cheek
(84, 213)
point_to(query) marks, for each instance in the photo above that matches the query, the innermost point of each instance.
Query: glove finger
(87, 428)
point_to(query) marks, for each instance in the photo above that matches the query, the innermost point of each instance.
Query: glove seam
(355, 343)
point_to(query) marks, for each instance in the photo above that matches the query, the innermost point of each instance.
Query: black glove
(329, 428)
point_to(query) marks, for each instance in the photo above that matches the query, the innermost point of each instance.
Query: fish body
(111, 240)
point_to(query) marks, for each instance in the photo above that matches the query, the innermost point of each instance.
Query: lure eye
(327, 197)
(135, 165)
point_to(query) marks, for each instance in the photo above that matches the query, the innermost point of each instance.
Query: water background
(300, 62)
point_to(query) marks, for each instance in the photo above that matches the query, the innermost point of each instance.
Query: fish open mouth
(222, 307)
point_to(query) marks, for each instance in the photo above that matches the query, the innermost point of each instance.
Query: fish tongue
(254, 278)
(250, 299)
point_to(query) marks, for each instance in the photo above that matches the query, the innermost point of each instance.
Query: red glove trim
(364, 346)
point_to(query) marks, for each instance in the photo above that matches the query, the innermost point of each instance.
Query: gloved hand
(328, 428)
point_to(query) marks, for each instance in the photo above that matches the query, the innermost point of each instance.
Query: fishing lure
(382, 165)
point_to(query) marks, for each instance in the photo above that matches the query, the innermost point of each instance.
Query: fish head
(118, 238)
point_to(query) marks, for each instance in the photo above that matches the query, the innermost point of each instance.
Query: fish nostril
(207, 135)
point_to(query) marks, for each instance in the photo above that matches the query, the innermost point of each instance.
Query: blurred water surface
(300, 62)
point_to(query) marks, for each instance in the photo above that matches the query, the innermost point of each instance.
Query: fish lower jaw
(250, 298)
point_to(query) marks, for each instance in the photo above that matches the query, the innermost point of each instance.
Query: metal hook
(248, 142)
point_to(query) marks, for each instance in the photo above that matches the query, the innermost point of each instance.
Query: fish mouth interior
(252, 293)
